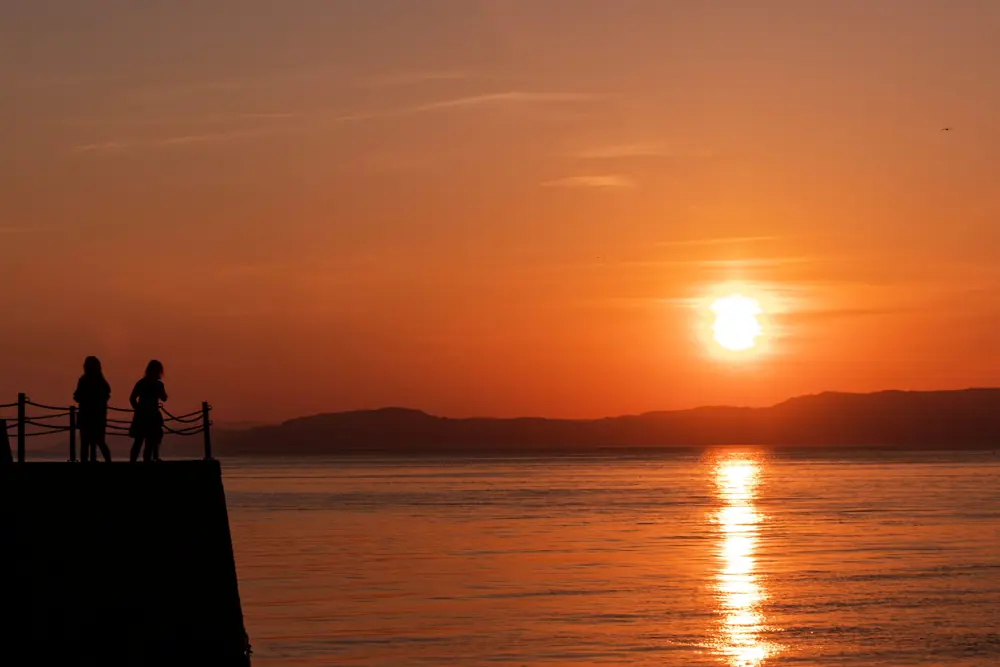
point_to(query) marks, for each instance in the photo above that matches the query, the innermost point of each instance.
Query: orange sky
(497, 207)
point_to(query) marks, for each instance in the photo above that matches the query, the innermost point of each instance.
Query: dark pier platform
(118, 564)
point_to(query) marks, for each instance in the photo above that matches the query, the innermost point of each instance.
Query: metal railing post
(72, 434)
(5, 455)
(206, 424)
(22, 401)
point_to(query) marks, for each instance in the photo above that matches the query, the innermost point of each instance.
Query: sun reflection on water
(739, 593)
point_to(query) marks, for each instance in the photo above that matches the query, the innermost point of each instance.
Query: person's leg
(104, 450)
(84, 446)
(136, 446)
(147, 452)
(155, 442)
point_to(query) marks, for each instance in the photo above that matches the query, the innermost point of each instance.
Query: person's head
(154, 370)
(92, 366)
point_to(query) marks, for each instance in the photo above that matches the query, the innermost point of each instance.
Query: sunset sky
(497, 207)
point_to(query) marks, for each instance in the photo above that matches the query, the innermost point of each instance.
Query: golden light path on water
(739, 593)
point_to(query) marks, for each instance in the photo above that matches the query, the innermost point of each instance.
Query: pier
(115, 564)
(38, 419)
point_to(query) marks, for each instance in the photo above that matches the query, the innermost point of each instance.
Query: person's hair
(92, 366)
(154, 369)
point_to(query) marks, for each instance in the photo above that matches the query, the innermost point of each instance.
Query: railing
(64, 420)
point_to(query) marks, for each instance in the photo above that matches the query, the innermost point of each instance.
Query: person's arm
(107, 392)
(163, 392)
(79, 391)
(133, 400)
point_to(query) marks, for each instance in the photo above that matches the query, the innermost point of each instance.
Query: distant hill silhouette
(928, 420)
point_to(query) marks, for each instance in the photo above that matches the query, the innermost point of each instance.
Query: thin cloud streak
(337, 73)
(118, 145)
(416, 78)
(178, 120)
(604, 181)
(307, 120)
(510, 97)
(755, 263)
(638, 150)
(723, 240)
(820, 316)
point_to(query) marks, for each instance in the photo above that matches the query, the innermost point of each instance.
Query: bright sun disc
(736, 326)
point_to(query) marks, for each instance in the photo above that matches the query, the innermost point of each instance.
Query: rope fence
(45, 407)
(62, 419)
(47, 432)
(190, 418)
(58, 415)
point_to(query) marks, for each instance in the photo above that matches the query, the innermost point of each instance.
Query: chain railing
(56, 419)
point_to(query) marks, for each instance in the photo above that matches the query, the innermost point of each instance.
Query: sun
(736, 327)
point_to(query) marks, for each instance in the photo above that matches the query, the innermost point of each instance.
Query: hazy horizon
(721, 406)
(497, 207)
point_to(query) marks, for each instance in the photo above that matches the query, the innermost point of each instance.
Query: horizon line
(717, 406)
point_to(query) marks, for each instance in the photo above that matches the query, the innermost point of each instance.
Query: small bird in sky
(946, 129)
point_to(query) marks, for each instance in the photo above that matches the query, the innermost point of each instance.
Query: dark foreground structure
(118, 565)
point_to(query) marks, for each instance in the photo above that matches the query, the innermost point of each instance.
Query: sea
(738, 557)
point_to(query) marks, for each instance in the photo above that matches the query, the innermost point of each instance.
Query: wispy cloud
(722, 240)
(637, 150)
(276, 123)
(821, 316)
(333, 73)
(103, 147)
(119, 145)
(298, 123)
(753, 263)
(416, 78)
(505, 98)
(607, 181)
(175, 120)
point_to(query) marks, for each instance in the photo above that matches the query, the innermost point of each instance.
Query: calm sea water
(741, 558)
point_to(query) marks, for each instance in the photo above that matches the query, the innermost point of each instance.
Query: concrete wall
(121, 564)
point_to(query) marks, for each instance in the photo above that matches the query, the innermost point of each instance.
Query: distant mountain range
(926, 420)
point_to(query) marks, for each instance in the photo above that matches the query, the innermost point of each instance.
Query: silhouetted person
(147, 422)
(92, 394)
